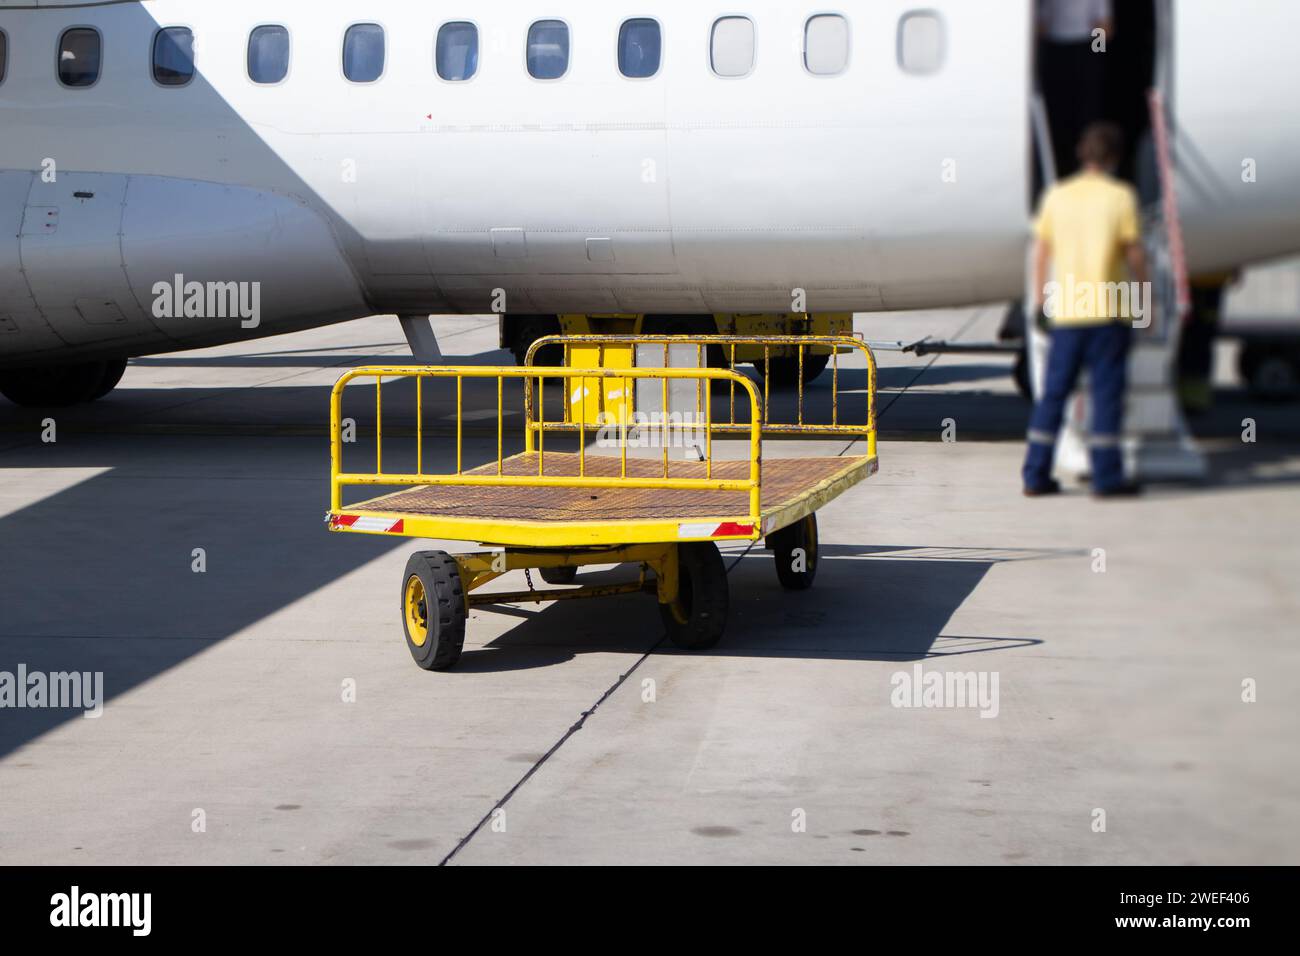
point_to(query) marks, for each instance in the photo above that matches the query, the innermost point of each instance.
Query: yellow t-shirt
(1088, 220)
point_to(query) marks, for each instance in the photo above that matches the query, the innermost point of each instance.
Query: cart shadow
(878, 603)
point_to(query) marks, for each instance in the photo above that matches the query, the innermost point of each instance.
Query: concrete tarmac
(266, 709)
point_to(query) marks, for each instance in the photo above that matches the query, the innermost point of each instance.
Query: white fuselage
(871, 189)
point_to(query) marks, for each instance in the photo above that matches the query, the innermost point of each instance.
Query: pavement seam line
(578, 725)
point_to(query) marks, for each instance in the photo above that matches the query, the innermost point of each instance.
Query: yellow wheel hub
(415, 608)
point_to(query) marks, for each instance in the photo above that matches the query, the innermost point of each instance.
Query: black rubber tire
(802, 535)
(702, 597)
(445, 614)
(113, 372)
(559, 575)
(714, 355)
(785, 369)
(55, 386)
(527, 330)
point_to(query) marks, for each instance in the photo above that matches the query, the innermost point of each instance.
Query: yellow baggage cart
(642, 476)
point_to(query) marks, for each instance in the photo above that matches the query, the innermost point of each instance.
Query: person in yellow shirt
(1087, 229)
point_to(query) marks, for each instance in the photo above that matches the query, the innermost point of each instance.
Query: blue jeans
(1103, 351)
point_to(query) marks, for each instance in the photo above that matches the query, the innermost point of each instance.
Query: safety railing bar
(767, 382)
(379, 423)
(719, 428)
(840, 338)
(834, 341)
(623, 434)
(501, 424)
(419, 425)
(528, 414)
(733, 383)
(835, 387)
(663, 422)
(547, 481)
(708, 435)
(800, 376)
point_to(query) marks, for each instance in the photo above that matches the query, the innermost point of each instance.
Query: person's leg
(1064, 358)
(1106, 355)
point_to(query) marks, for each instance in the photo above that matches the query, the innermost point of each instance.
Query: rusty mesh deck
(784, 480)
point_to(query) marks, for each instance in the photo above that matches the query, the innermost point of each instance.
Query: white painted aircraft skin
(416, 195)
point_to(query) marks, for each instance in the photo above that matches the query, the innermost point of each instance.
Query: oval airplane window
(268, 54)
(456, 53)
(640, 47)
(548, 49)
(920, 42)
(4, 55)
(363, 52)
(173, 56)
(731, 47)
(826, 45)
(80, 50)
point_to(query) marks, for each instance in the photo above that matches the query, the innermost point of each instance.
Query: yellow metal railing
(726, 345)
(535, 428)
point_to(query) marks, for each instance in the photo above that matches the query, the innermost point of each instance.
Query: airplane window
(363, 52)
(268, 54)
(548, 49)
(79, 55)
(732, 46)
(4, 55)
(457, 51)
(173, 56)
(639, 48)
(826, 45)
(920, 42)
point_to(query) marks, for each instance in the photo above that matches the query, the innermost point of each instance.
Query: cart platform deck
(786, 483)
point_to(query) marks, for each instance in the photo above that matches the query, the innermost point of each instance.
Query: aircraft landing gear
(61, 385)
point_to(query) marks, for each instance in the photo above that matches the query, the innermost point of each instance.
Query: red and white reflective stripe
(360, 523)
(728, 529)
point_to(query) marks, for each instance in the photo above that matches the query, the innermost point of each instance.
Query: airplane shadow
(98, 576)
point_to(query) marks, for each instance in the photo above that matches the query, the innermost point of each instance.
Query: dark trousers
(1103, 351)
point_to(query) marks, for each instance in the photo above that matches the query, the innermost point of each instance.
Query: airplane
(180, 173)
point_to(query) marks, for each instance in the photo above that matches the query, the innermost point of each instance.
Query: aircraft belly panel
(22, 327)
(215, 262)
(71, 254)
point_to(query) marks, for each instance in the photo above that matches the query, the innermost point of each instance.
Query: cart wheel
(559, 575)
(697, 618)
(433, 610)
(802, 537)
